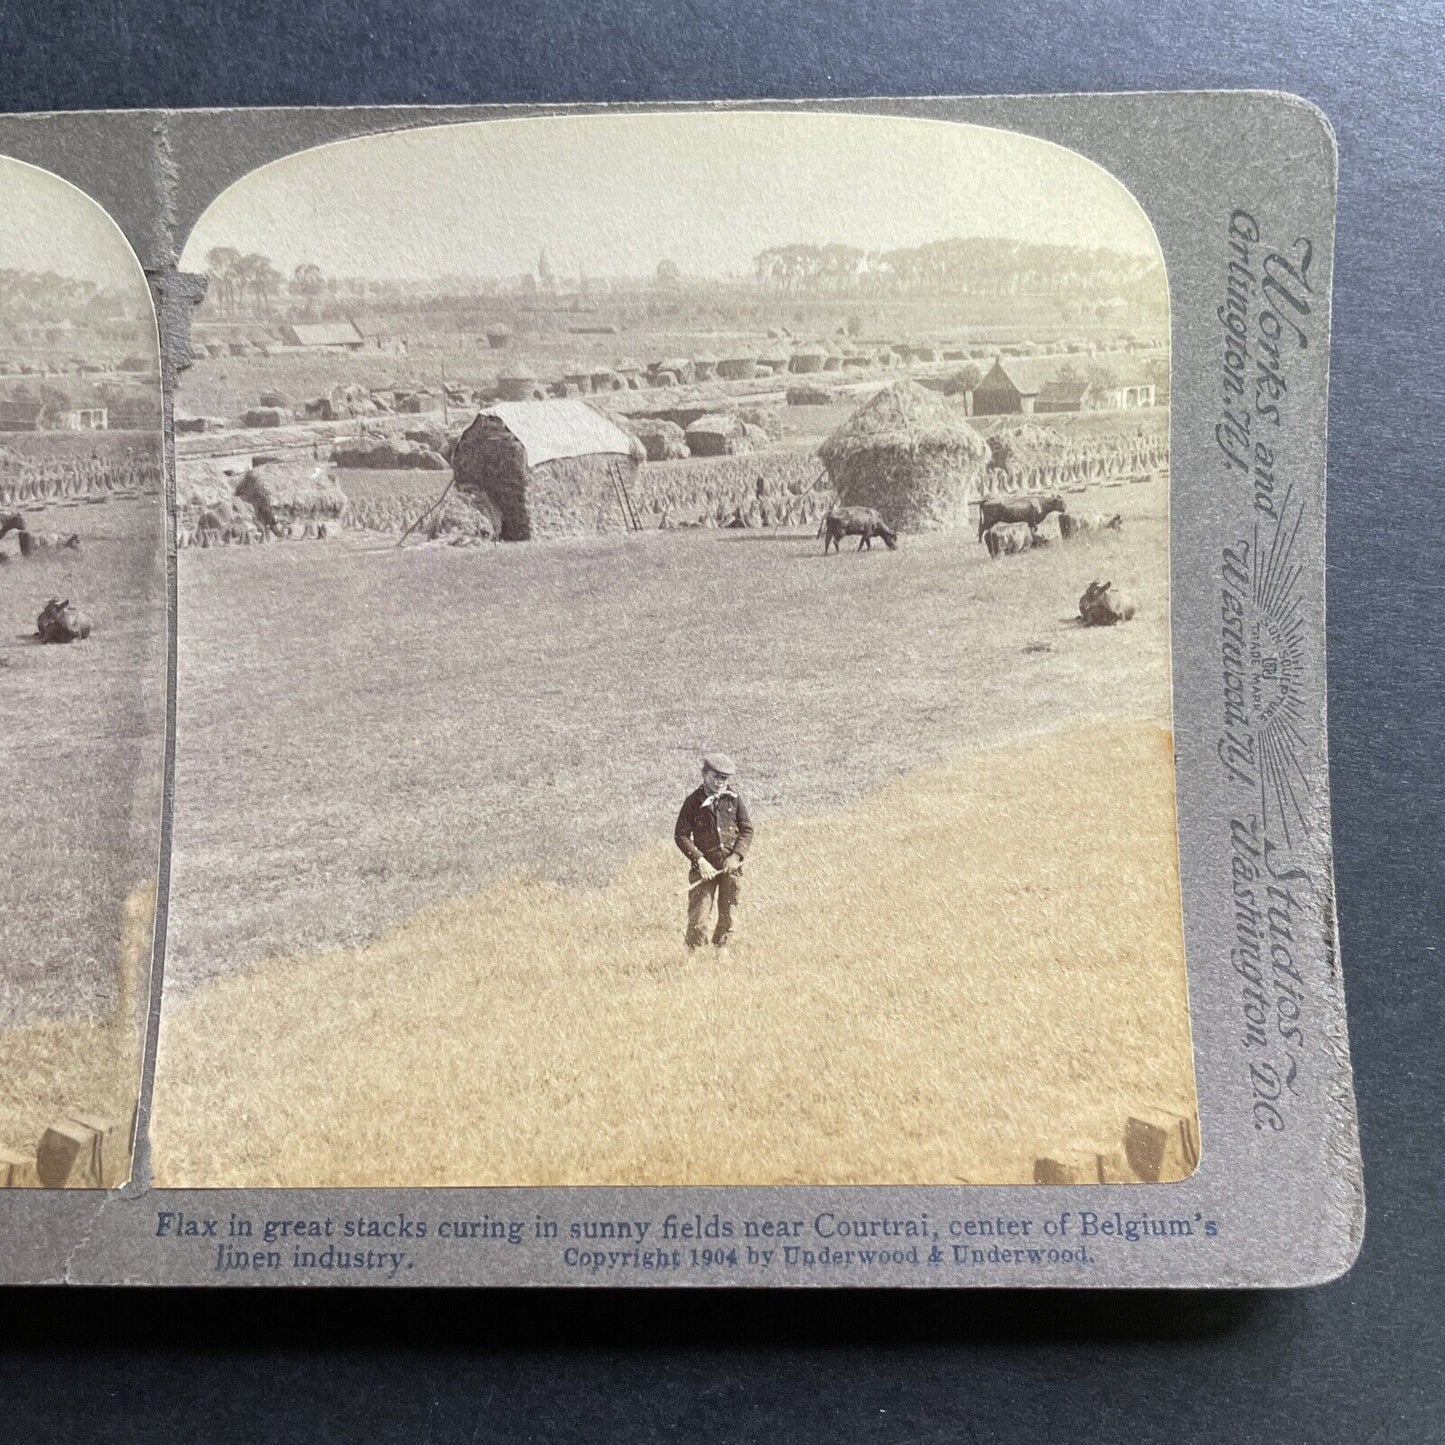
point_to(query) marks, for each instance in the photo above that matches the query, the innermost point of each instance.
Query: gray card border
(1268, 1205)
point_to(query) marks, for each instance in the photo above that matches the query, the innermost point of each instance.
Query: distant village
(74, 357)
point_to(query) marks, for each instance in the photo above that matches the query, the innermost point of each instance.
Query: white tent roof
(550, 430)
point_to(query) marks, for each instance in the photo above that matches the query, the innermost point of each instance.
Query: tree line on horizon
(47, 296)
(960, 265)
(249, 283)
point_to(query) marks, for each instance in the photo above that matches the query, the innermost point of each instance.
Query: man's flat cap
(719, 763)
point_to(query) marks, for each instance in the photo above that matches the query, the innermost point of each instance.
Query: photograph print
(82, 681)
(673, 678)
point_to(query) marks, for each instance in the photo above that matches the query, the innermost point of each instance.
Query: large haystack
(737, 368)
(663, 440)
(911, 455)
(805, 393)
(551, 467)
(719, 434)
(1022, 450)
(286, 492)
(680, 366)
(519, 383)
(206, 503)
(387, 454)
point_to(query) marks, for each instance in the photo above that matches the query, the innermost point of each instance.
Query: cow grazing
(1029, 510)
(1072, 528)
(1099, 608)
(60, 622)
(1008, 539)
(861, 522)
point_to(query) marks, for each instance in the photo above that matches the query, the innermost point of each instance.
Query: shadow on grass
(751, 534)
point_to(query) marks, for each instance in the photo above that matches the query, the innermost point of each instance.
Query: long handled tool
(428, 512)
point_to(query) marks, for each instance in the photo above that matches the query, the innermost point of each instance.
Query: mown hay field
(363, 730)
(80, 791)
(486, 750)
(959, 973)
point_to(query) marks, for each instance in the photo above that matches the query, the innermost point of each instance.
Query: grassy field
(959, 973)
(422, 801)
(454, 716)
(80, 783)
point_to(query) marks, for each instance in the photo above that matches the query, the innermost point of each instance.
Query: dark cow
(60, 622)
(861, 522)
(1033, 510)
(33, 542)
(1097, 608)
(1072, 528)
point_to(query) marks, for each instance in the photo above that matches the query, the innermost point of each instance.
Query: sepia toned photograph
(673, 677)
(82, 681)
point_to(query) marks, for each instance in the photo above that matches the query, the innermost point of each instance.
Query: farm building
(910, 454)
(1127, 394)
(135, 410)
(1005, 390)
(323, 335)
(1062, 395)
(376, 335)
(20, 415)
(550, 468)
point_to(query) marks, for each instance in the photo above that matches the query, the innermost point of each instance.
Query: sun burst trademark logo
(1263, 742)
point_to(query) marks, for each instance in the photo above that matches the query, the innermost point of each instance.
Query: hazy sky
(46, 224)
(615, 193)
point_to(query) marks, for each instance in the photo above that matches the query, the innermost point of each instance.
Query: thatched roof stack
(286, 492)
(910, 454)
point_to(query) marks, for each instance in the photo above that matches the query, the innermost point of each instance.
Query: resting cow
(1029, 510)
(1072, 527)
(1097, 608)
(60, 622)
(861, 522)
(1007, 539)
(33, 542)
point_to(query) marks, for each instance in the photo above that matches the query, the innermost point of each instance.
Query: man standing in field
(714, 832)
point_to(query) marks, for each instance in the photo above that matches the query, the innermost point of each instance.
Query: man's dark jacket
(715, 830)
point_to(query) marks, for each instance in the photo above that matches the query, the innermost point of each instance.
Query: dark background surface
(1356, 1361)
